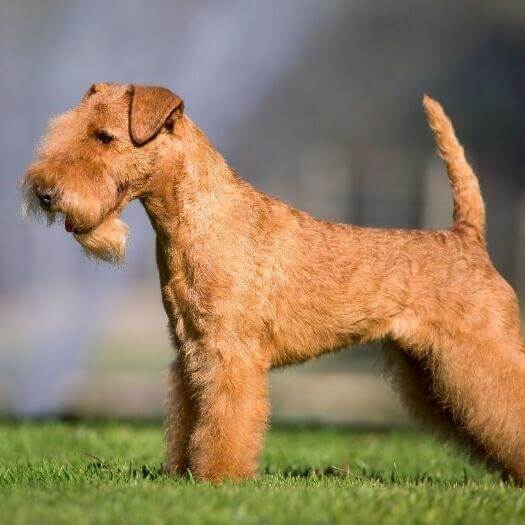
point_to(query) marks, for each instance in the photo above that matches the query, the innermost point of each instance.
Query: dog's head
(97, 157)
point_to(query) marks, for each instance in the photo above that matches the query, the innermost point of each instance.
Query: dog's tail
(469, 210)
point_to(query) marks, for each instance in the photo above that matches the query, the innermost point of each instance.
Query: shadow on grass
(100, 467)
(389, 478)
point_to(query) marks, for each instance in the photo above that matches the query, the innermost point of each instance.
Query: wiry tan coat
(249, 283)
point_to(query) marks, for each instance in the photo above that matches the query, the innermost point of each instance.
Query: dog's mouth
(70, 227)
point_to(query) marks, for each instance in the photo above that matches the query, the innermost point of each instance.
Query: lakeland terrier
(250, 283)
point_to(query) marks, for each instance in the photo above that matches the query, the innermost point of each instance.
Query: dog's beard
(106, 241)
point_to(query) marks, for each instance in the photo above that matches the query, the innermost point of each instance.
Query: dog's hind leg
(480, 381)
(412, 379)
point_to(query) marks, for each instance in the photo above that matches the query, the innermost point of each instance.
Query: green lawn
(110, 472)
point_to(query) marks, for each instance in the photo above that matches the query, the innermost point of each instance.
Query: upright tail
(469, 210)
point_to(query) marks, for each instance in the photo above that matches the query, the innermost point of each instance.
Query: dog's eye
(104, 137)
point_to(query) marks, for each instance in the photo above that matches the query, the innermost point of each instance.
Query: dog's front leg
(232, 411)
(180, 420)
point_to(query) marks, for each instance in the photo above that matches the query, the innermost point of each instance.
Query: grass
(110, 472)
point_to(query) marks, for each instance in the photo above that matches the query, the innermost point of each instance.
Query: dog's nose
(45, 198)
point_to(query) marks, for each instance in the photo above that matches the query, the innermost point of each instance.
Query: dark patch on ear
(150, 108)
(169, 125)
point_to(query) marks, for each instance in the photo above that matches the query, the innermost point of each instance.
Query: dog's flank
(249, 283)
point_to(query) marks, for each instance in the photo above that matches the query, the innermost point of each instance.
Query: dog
(250, 283)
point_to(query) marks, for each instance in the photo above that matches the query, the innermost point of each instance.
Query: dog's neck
(191, 185)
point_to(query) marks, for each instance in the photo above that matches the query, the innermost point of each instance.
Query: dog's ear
(150, 108)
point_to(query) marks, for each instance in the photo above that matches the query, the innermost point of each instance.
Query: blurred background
(317, 103)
